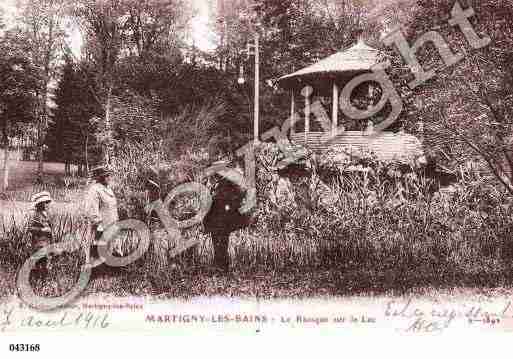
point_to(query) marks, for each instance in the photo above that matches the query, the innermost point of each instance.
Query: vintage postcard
(250, 167)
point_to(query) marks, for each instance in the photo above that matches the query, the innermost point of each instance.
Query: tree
(42, 23)
(467, 106)
(153, 26)
(71, 135)
(104, 26)
(117, 29)
(19, 86)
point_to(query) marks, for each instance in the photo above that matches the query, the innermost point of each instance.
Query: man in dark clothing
(223, 218)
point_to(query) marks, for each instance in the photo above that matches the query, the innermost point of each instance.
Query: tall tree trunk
(42, 125)
(40, 144)
(5, 169)
(40, 165)
(50, 41)
(108, 130)
(86, 154)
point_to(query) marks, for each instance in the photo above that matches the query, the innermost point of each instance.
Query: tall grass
(441, 238)
(58, 193)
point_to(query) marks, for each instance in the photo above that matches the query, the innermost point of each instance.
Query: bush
(357, 222)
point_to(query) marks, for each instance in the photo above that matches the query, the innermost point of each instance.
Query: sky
(202, 36)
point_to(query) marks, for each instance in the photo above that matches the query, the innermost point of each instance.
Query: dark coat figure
(223, 218)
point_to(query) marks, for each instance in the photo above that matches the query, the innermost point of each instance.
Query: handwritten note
(437, 317)
(11, 318)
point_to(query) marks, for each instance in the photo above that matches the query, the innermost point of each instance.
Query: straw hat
(41, 197)
(100, 171)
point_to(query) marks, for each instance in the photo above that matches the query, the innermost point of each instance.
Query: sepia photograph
(255, 166)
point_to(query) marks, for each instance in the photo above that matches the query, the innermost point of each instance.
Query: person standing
(224, 218)
(40, 229)
(102, 207)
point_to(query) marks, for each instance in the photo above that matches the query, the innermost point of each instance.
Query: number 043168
(24, 347)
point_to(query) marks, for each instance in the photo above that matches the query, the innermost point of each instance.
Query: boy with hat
(40, 229)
